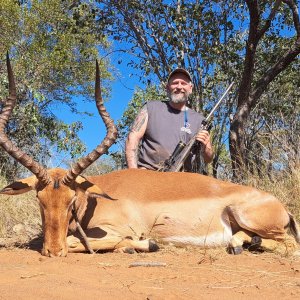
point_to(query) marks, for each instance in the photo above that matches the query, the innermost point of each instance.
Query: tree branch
(263, 30)
(284, 61)
(293, 6)
(280, 66)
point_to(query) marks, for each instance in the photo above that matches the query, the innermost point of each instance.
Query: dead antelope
(129, 209)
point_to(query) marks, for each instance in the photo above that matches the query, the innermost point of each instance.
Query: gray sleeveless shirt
(165, 129)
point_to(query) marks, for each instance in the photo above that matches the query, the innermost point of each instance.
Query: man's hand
(204, 138)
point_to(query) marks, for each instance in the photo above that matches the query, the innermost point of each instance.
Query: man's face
(179, 88)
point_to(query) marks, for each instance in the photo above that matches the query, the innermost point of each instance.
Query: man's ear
(20, 186)
(91, 189)
(167, 87)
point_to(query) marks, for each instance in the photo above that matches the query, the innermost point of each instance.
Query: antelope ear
(20, 186)
(91, 189)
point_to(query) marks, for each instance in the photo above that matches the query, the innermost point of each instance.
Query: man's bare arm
(136, 133)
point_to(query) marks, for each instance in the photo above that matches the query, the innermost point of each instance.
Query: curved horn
(39, 171)
(109, 139)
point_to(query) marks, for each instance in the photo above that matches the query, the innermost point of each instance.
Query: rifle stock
(178, 164)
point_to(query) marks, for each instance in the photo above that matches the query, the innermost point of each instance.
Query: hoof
(129, 250)
(235, 250)
(255, 243)
(153, 247)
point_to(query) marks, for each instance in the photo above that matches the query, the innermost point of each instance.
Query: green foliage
(272, 137)
(197, 35)
(104, 165)
(55, 53)
(53, 46)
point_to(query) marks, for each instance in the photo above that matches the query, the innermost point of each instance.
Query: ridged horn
(39, 171)
(102, 148)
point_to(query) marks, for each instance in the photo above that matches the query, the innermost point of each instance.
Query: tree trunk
(237, 142)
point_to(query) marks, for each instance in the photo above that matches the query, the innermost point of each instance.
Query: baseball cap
(180, 70)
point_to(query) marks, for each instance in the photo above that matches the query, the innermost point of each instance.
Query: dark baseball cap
(180, 70)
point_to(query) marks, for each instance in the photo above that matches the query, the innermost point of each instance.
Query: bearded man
(160, 126)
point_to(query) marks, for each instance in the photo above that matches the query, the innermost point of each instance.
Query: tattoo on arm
(139, 120)
(132, 158)
(135, 156)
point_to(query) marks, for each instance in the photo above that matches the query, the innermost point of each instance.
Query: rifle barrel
(218, 103)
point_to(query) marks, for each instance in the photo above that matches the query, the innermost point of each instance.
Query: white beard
(178, 98)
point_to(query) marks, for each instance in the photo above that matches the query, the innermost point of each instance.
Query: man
(160, 126)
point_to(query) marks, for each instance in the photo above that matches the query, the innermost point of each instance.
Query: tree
(272, 135)
(256, 79)
(163, 36)
(53, 47)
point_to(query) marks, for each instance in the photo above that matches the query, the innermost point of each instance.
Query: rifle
(175, 162)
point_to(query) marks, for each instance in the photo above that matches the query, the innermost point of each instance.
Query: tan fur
(127, 208)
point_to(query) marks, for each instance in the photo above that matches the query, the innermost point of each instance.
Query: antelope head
(56, 189)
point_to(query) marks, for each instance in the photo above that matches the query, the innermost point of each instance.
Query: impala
(131, 209)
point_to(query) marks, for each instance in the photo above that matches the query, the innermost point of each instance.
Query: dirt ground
(171, 273)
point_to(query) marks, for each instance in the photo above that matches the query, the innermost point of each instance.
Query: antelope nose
(55, 253)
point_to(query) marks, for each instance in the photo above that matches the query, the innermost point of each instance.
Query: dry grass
(19, 217)
(286, 188)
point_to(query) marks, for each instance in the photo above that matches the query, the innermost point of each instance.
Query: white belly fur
(211, 239)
